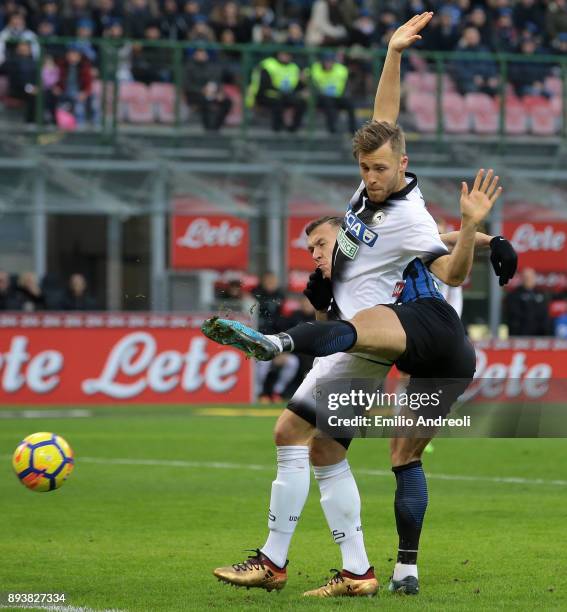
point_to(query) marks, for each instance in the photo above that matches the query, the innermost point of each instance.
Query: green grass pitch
(158, 499)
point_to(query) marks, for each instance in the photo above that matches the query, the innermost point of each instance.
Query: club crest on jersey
(399, 287)
(346, 245)
(359, 229)
(379, 217)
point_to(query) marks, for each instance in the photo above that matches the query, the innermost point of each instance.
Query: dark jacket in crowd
(527, 314)
(269, 309)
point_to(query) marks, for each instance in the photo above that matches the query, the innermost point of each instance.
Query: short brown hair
(373, 134)
(334, 221)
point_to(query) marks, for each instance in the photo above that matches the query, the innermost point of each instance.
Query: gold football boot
(256, 572)
(346, 584)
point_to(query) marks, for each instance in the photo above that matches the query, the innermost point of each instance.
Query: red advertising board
(214, 242)
(114, 359)
(541, 245)
(526, 369)
(298, 257)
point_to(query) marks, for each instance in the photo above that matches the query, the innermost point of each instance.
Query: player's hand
(503, 258)
(408, 33)
(476, 205)
(319, 291)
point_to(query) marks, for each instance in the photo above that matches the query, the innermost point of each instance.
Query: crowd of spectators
(528, 27)
(25, 293)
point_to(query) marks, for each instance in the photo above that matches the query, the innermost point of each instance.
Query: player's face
(383, 172)
(320, 243)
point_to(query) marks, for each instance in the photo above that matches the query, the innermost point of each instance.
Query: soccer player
(387, 238)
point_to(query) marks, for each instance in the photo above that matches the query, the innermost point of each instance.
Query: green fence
(443, 75)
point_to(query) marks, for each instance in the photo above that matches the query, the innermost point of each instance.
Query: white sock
(277, 341)
(289, 494)
(287, 373)
(340, 501)
(402, 570)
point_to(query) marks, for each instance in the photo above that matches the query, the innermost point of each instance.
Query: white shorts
(340, 372)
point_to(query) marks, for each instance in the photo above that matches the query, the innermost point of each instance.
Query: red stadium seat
(428, 82)
(543, 122)
(516, 120)
(418, 100)
(162, 96)
(556, 105)
(456, 118)
(531, 102)
(554, 85)
(480, 102)
(425, 119)
(135, 103)
(236, 115)
(413, 81)
(485, 121)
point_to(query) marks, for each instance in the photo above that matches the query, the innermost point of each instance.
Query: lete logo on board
(209, 242)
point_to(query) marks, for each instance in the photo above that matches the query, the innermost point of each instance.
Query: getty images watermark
(409, 407)
(404, 409)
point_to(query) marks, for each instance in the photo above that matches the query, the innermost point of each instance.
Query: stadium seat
(556, 105)
(554, 86)
(543, 121)
(516, 120)
(425, 119)
(456, 118)
(485, 121)
(97, 91)
(236, 114)
(532, 102)
(417, 100)
(162, 96)
(135, 104)
(413, 81)
(480, 102)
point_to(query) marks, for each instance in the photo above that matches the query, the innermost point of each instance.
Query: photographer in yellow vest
(329, 78)
(277, 84)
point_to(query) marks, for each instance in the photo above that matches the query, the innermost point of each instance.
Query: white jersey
(381, 250)
(453, 295)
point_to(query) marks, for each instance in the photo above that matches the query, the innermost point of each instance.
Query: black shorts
(438, 353)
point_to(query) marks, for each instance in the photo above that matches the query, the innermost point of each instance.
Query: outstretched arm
(481, 240)
(475, 206)
(387, 102)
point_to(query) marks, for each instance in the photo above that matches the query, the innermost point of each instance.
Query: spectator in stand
(172, 23)
(44, 30)
(270, 299)
(328, 25)
(150, 63)
(527, 309)
(21, 70)
(28, 296)
(7, 296)
(140, 15)
(363, 31)
(444, 32)
(191, 9)
(73, 12)
(232, 298)
(559, 45)
(262, 16)
(474, 75)
(84, 40)
(77, 296)
(227, 16)
(106, 13)
(119, 57)
(478, 19)
(294, 35)
(277, 84)
(14, 33)
(505, 37)
(329, 78)
(529, 12)
(556, 18)
(73, 91)
(49, 12)
(201, 31)
(528, 78)
(203, 88)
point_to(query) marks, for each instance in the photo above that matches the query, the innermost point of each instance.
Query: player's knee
(325, 452)
(285, 434)
(404, 455)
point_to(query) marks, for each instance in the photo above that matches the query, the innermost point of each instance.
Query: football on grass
(43, 461)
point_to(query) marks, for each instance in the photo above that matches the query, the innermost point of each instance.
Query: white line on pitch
(60, 608)
(45, 414)
(216, 465)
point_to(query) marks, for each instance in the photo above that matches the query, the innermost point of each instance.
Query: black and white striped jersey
(381, 250)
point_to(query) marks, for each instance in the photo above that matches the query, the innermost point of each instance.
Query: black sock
(320, 338)
(410, 504)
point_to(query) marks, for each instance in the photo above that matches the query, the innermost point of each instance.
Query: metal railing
(109, 100)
